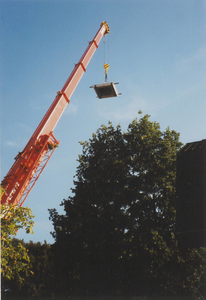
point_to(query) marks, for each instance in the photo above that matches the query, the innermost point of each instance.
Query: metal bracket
(60, 93)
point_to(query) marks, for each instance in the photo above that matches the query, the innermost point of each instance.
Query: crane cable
(106, 65)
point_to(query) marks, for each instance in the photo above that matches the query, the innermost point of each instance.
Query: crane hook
(106, 66)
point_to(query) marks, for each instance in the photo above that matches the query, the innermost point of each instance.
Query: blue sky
(156, 51)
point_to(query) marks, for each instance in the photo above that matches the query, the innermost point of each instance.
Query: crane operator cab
(106, 89)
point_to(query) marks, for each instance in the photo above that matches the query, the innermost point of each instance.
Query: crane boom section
(31, 161)
(55, 111)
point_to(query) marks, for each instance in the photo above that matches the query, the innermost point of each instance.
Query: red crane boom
(30, 163)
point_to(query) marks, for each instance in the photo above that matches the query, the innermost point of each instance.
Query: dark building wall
(191, 195)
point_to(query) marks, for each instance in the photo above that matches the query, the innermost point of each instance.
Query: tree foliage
(15, 262)
(39, 283)
(117, 235)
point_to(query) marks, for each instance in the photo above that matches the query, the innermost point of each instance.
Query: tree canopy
(15, 261)
(117, 235)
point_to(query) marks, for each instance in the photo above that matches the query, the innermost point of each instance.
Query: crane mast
(30, 163)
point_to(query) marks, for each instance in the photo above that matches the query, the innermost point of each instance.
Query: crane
(30, 163)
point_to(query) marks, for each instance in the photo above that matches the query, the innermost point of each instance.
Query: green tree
(152, 192)
(15, 262)
(39, 283)
(91, 232)
(117, 235)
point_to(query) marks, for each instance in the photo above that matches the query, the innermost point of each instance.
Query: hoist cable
(106, 65)
(108, 49)
(104, 48)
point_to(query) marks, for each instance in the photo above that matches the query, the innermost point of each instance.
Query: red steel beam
(27, 167)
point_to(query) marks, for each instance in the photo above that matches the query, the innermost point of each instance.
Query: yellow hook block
(106, 66)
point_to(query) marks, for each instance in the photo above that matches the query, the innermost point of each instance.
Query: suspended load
(106, 89)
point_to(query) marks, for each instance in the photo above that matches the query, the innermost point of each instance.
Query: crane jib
(30, 163)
